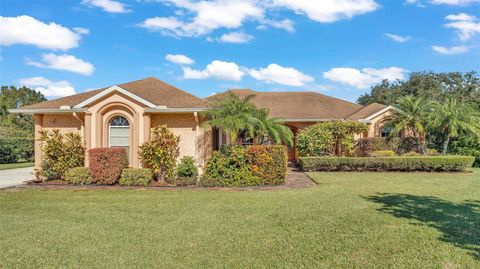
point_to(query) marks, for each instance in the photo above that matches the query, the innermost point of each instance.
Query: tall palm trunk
(445, 145)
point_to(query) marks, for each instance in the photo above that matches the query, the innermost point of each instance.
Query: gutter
(48, 111)
(175, 110)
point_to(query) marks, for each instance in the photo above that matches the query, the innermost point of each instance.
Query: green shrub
(469, 146)
(412, 153)
(269, 163)
(228, 168)
(160, 152)
(334, 138)
(61, 152)
(79, 175)
(15, 149)
(185, 181)
(383, 153)
(136, 177)
(428, 163)
(7, 152)
(400, 145)
(187, 168)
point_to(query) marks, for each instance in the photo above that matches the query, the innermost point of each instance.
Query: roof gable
(151, 91)
(111, 90)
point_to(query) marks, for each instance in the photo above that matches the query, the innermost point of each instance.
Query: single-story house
(122, 116)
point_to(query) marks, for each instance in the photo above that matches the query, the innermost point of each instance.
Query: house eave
(47, 110)
(176, 110)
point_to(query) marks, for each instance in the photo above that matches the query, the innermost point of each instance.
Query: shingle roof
(367, 111)
(298, 105)
(150, 89)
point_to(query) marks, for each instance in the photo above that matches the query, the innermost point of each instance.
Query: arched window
(119, 133)
(385, 131)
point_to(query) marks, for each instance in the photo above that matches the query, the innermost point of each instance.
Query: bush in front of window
(160, 152)
(135, 177)
(106, 164)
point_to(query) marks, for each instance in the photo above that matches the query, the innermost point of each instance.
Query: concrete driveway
(13, 177)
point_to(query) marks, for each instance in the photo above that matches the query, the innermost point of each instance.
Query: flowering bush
(106, 164)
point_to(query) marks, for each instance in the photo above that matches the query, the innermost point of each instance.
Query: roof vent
(64, 107)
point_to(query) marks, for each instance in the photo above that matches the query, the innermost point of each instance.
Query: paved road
(13, 177)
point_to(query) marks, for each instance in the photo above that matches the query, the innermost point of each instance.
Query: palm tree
(452, 118)
(233, 114)
(237, 116)
(272, 128)
(411, 115)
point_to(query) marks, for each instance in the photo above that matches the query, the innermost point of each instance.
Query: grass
(349, 220)
(5, 166)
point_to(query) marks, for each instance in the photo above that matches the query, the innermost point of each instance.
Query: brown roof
(150, 89)
(298, 105)
(367, 111)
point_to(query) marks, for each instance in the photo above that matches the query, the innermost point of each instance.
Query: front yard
(350, 220)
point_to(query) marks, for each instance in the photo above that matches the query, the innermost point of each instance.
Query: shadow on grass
(458, 223)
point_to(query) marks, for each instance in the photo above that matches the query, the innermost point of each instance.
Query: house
(122, 116)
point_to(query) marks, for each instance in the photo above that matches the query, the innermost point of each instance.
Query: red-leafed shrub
(269, 163)
(106, 164)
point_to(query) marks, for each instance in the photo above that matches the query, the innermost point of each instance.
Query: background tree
(452, 118)
(17, 125)
(411, 116)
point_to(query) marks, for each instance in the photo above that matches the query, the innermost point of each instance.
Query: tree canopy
(17, 124)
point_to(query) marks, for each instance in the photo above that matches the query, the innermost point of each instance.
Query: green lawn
(350, 220)
(5, 166)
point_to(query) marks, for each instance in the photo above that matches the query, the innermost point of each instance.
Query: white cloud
(466, 25)
(451, 50)
(397, 38)
(216, 69)
(64, 62)
(454, 2)
(107, 5)
(445, 2)
(179, 59)
(363, 78)
(82, 31)
(235, 37)
(208, 16)
(285, 24)
(47, 87)
(275, 73)
(329, 10)
(29, 31)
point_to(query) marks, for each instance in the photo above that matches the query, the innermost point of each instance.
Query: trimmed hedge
(269, 163)
(106, 164)
(187, 168)
(414, 163)
(14, 149)
(79, 175)
(136, 177)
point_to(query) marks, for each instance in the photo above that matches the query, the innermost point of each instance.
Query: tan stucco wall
(64, 122)
(195, 140)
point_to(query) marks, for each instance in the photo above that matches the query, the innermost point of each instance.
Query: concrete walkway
(13, 177)
(297, 179)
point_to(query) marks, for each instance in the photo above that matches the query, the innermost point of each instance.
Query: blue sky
(336, 47)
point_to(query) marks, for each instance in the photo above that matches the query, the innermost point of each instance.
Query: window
(119, 133)
(385, 131)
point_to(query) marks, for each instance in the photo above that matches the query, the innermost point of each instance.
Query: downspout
(82, 126)
(197, 127)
